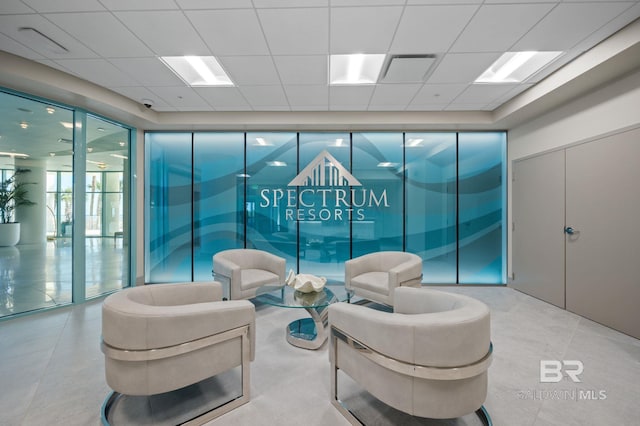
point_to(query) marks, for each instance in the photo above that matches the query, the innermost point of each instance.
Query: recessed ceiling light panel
(355, 69)
(198, 70)
(516, 67)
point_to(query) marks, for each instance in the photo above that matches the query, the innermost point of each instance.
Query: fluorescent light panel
(515, 67)
(198, 70)
(355, 69)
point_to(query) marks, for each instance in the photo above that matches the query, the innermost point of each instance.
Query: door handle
(569, 230)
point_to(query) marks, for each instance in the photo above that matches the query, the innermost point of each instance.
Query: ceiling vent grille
(408, 68)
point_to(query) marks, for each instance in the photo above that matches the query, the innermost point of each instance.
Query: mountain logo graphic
(325, 170)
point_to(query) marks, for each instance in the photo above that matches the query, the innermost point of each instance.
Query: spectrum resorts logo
(324, 190)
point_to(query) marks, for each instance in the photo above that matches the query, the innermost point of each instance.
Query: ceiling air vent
(408, 68)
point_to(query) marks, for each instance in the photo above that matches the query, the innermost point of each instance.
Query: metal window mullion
(78, 276)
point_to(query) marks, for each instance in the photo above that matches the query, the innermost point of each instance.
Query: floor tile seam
(47, 367)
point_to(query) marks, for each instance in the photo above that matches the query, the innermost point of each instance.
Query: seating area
(427, 358)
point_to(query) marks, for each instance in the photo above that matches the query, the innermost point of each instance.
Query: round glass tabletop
(286, 297)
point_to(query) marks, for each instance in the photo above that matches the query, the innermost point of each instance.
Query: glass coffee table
(307, 333)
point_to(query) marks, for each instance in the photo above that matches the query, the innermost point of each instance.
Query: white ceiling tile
(467, 107)
(462, 67)
(223, 97)
(497, 27)
(296, 31)
(438, 94)
(14, 6)
(250, 70)
(274, 108)
(511, 93)
(310, 108)
(98, 71)
(387, 107)
(180, 97)
(230, 32)
(44, 6)
(139, 4)
(483, 93)
(149, 71)
(262, 96)
(102, 33)
(307, 95)
(53, 64)
(158, 31)
(217, 4)
(356, 96)
(525, 1)
(560, 30)
(10, 25)
(430, 29)
(609, 28)
(290, 3)
(340, 3)
(426, 107)
(351, 30)
(310, 70)
(9, 45)
(140, 93)
(393, 94)
(413, 2)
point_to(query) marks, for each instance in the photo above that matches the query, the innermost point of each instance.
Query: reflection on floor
(37, 276)
(52, 369)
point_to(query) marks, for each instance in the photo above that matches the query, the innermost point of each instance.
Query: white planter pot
(9, 234)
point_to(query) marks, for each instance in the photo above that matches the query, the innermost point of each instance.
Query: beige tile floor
(51, 369)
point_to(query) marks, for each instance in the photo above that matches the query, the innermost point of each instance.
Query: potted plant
(12, 195)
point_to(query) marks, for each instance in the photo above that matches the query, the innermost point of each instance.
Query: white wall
(608, 110)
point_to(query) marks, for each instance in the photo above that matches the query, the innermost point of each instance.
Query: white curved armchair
(374, 276)
(246, 270)
(162, 337)
(428, 358)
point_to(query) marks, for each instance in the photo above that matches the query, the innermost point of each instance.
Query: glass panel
(324, 206)
(169, 203)
(107, 243)
(377, 164)
(218, 197)
(270, 203)
(431, 203)
(481, 162)
(35, 273)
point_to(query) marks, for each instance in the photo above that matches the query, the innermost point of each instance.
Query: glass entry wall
(53, 262)
(318, 199)
(106, 207)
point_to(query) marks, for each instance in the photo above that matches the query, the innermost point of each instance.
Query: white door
(603, 208)
(537, 232)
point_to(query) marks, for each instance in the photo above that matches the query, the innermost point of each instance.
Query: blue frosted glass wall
(318, 199)
(169, 199)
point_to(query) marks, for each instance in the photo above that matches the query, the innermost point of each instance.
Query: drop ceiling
(276, 51)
